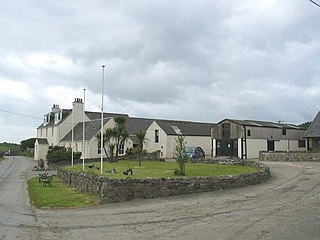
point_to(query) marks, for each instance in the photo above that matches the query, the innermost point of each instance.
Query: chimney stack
(55, 108)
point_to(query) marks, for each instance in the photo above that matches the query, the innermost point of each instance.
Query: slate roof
(133, 125)
(313, 130)
(65, 113)
(42, 141)
(91, 129)
(172, 127)
(97, 115)
(255, 123)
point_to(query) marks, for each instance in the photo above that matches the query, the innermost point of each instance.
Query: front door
(270, 145)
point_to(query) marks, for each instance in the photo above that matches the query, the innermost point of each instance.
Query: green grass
(163, 169)
(59, 195)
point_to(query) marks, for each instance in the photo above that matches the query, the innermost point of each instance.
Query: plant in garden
(141, 136)
(180, 154)
(120, 133)
(58, 153)
(108, 143)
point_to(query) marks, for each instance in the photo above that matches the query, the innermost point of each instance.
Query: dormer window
(46, 119)
(58, 117)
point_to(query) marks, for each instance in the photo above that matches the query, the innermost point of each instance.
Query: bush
(57, 154)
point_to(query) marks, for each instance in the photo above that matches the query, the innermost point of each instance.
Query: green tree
(28, 143)
(120, 133)
(305, 125)
(141, 136)
(180, 154)
(58, 153)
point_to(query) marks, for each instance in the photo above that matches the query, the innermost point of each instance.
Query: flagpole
(83, 128)
(101, 135)
(72, 135)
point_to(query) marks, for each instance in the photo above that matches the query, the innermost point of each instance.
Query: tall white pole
(83, 128)
(72, 135)
(101, 135)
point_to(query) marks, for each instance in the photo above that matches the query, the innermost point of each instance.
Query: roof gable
(313, 130)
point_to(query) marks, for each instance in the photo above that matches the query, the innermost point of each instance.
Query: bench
(42, 176)
(47, 181)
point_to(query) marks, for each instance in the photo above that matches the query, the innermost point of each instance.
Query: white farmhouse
(56, 130)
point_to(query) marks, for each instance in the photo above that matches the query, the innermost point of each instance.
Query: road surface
(286, 207)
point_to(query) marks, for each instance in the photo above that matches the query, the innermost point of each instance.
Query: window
(52, 131)
(226, 130)
(248, 133)
(156, 136)
(301, 143)
(99, 150)
(46, 119)
(284, 131)
(121, 149)
(58, 117)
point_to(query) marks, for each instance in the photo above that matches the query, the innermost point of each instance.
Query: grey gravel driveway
(286, 207)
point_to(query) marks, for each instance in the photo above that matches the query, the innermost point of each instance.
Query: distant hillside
(305, 125)
(13, 147)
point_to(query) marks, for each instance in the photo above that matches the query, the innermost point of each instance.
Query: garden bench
(47, 181)
(42, 176)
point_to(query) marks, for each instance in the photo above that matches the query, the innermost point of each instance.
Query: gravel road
(285, 207)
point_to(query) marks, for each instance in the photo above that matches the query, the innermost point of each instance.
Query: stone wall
(111, 190)
(289, 156)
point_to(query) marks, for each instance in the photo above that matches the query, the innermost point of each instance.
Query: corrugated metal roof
(42, 141)
(255, 123)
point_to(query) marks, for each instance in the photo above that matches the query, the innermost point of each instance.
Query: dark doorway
(227, 147)
(270, 145)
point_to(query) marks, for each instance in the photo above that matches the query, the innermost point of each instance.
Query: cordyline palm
(120, 133)
(108, 144)
(141, 137)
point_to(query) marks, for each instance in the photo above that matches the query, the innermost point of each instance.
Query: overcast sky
(187, 60)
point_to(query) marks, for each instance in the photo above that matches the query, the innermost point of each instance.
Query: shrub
(57, 154)
(177, 172)
(180, 154)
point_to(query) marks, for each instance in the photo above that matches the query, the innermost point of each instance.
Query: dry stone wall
(289, 156)
(111, 190)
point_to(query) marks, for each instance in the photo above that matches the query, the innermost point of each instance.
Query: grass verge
(162, 169)
(59, 195)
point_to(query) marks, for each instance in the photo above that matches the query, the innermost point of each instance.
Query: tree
(28, 143)
(59, 153)
(141, 136)
(120, 133)
(180, 154)
(114, 137)
(305, 125)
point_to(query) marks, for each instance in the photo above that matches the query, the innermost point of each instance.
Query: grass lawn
(163, 169)
(59, 195)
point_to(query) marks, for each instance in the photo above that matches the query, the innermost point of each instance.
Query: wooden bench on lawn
(47, 181)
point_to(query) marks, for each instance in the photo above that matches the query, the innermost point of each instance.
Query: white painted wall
(151, 145)
(40, 151)
(203, 142)
(214, 150)
(281, 145)
(254, 146)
